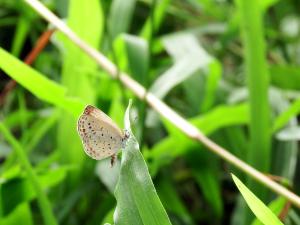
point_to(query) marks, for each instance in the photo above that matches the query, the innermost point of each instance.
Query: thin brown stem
(29, 59)
(39, 46)
(284, 212)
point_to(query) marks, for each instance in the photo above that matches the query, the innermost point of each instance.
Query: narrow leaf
(39, 85)
(261, 211)
(137, 200)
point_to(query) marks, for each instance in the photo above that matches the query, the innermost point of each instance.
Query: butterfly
(101, 137)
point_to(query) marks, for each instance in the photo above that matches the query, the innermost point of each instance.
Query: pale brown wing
(100, 139)
(97, 113)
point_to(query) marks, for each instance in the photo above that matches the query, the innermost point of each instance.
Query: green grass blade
(137, 200)
(164, 152)
(257, 74)
(261, 211)
(76, 70)
(18, 188)
(21, 33)
(212, 81)
(285, 77)
(43, 201)
(158, 15)
(22, 215)
(120, 17)
(138, 57)
(30, 79)
(39, 85)
(42, 130)
(138, 61)
(189, 57)
(275, 206)
(284, 117)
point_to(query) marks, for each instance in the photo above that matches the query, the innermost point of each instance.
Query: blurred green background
(230, 67)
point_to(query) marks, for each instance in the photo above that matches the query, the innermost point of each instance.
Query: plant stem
(258, 83)
(259, 156)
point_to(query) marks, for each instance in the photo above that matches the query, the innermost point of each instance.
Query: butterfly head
(125, 138)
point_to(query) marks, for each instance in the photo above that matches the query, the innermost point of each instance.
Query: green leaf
(120, 17)
(32, 80)
(169, 148)
(212, 81)
(38, 84)
(77, 68)
(189, 57)
(19, 189)
(137, 50)
(265, 4)
(21, 215)
(137, 200)
(222, 116)
(40, 130)
(138, 57)
(295, 218)
(23, 27)
(160, 11)
(284, 117)
(261, 211)
(276, 206)
(43, 201)
(14, 118)
(219, 117)
(258, 80)
(285, 77)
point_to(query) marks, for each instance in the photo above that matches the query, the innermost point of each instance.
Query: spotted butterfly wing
(100, 136)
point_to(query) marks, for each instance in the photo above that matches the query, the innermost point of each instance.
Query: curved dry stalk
(159, 106)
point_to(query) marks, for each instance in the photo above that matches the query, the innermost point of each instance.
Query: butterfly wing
(97, 113)
(100, 136)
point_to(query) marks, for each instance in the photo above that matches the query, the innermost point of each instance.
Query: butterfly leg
(112, 160)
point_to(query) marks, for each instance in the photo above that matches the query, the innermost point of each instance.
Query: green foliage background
(230, 67)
